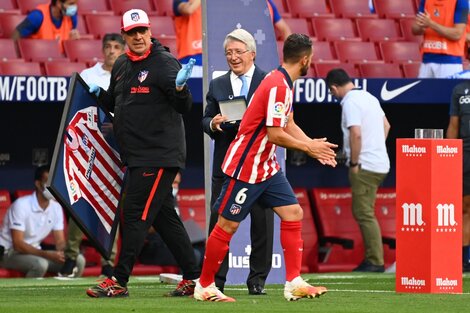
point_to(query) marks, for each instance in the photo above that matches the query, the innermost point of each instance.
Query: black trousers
(148, 201)
(261, 233)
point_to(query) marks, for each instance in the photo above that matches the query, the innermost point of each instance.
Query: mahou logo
(413, 217)
(412, 283)
(413, 150)
(446, 218)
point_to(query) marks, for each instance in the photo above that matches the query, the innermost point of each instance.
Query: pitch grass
(348, 292)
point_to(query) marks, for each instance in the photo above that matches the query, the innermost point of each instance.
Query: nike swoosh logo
(145, 174)
(386, 94)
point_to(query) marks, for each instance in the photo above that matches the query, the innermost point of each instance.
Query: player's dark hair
(113, 37)
(39, 172)
(296, 47)
(337, 77)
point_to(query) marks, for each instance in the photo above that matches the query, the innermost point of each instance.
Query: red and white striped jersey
(251, 157)
(92, 167)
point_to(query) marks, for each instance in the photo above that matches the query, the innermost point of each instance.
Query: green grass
(348, 292)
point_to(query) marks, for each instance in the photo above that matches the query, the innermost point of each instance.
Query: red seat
(192, 205)
(351, 9)
(9, 6)
(162, 26)
(121, 6)
(57, 68)
(29, 5)
(339, 234)
(299, 26)
(411, 70)
(39, 50)
(384, 70)
(5, 201)
(164, 7)
(99, 25)
(395, 9)
(94, 7)
(309, 233)
(282, 8)
(82, 29)
(21, 68)
(405, 26)
(356, 51)
(309, 8)
(332, 29)
(385, 213)
(21, 193)
(7, 49)
(400, 51)
(322, 69)
(8, 23)
(378, 29)
(169, 42)
(83, 50)
(322, 52)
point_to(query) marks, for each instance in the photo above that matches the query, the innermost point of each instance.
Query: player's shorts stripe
(227, 195)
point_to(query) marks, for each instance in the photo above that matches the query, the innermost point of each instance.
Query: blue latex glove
(185, 73)
(94, 89)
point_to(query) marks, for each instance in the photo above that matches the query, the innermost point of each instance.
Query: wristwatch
(351, 164)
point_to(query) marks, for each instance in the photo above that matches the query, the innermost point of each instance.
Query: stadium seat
(99, 25)
(400, 51)
(57, 68)
(323, 68)
(311, 72)
(411, 70)
(82, 29)
(192, 205)
(5, 201)
(384, 70)
(8, 23)
(309, 8)
(405, 26)
(309, 233)
(169, 42)
(282, 8)
(332, 29)
(39, 50)
(21, 193)
(162, 26)
(299, 25)
(357, 51)
(378, 29)
(385, 213)
(21, 68)
(83, 50)
(395, 9)
(341, 247)
(351, 9)
(121, 6)
(26, 6)
(9, 7)
(322, 51)
(280, 46)
(164, 7)
(94, 7)
(7, 50)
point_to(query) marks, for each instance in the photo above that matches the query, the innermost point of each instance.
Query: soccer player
(253, 173)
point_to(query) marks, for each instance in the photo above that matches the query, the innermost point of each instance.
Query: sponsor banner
(429, 215)
(307, 90)
(86, 172)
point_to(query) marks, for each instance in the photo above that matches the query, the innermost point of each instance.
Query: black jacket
(148, 123)
(220, 88)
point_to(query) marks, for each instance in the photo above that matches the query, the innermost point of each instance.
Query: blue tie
(244, 90)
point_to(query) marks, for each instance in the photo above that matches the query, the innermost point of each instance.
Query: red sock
(216, 249)
(292, 245)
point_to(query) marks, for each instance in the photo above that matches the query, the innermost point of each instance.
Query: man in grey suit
(242, 80)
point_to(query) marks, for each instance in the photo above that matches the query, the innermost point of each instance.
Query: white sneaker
(298, 288)
(210, 293)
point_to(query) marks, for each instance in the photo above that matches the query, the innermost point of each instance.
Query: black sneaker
(184, 288)
(366, 266)
(108, 288)
(69, 269)
(107, 271)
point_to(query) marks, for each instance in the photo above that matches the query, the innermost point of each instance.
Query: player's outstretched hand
(184, 73)
(322, 150)
(94, 89)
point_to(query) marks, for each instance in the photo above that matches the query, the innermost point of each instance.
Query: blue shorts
(237, 197)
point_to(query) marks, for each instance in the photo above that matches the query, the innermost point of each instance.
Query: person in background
(241, 80)
(254, 175)
(188, 28)
(56, 20)
(443, 25)
(365, 129)
(279, 23)
(99, 74)
(459, 122)
(28, 221)
(148, 96)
